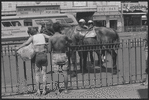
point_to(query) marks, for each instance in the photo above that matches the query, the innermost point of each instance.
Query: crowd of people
(57, 44)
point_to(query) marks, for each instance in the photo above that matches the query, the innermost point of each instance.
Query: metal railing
(130, 61)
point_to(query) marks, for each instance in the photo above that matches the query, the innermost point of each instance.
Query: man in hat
(82, 25)
(90, 24)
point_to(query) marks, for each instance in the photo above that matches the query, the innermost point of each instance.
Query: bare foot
(66, 91)
(44, 92)
(38, 93)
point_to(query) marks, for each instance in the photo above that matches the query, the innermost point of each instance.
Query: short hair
(56, 27)
(32, 30)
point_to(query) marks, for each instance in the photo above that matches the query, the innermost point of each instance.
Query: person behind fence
(46, 29)
(82, 25)
(40, 58)
(57, 46)
(90, 27)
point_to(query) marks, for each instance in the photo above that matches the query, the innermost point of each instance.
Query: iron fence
(130, 61)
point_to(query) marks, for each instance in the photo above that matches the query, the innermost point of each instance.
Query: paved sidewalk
(121, 91)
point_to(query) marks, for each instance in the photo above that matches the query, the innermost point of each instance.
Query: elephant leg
(103, 55)
(81, 60)
(114, 58)
(91, 57)
(100, 63)
(73, 59)
(85, 61)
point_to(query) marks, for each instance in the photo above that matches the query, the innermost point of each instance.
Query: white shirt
(39, 42)
(39, 39)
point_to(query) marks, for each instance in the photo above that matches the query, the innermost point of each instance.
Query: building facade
(104, 13)
(134, 14)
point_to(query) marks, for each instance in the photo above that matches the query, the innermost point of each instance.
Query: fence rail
(130, 62)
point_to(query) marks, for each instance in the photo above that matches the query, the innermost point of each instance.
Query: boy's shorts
(40, 59)
(59, 58)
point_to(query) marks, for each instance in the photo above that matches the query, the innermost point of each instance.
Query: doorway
(113, 24)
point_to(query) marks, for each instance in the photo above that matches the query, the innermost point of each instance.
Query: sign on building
(8, 6)
(107, 8)
(79, 4)
(135, 6)
(38, 10)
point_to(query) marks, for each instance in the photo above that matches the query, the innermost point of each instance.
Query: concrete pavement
(136, 91)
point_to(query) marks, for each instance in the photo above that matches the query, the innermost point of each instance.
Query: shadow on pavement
(143, 93)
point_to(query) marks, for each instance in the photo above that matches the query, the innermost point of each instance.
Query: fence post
(69, 65)
(51, 69)
(25, 77)
(2, 57)
(141, 58)
(130, 80)
(32, 66)
(135, 61)
(10, 67)
(17, 72)
(123, 61)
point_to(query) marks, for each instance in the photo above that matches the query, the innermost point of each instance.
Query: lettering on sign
(20, 9)
(79, 3)
(134, 6)
(48, 12)
(55, 11)
(22, 31)
(114, 16)
(22, 13)
(38, 10)
(104, 9)
(7, 33)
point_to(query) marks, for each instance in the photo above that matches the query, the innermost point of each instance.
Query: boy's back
(59, 43)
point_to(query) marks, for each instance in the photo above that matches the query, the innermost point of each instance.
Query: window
(66, 20)
(16, 23)
(28, 22)
(43, 21)
(69, 20)
(100, 23)
(144, 22)
(61, 20)
(39, 21)
(6, 24)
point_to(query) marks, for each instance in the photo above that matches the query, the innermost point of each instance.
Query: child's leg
(44, 71)
(37, 77)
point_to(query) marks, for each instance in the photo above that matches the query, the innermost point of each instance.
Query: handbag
(27, 52)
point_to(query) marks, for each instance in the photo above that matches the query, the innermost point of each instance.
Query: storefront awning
(134, 13)
(75, 10)
(144, 17)
(107, 13)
